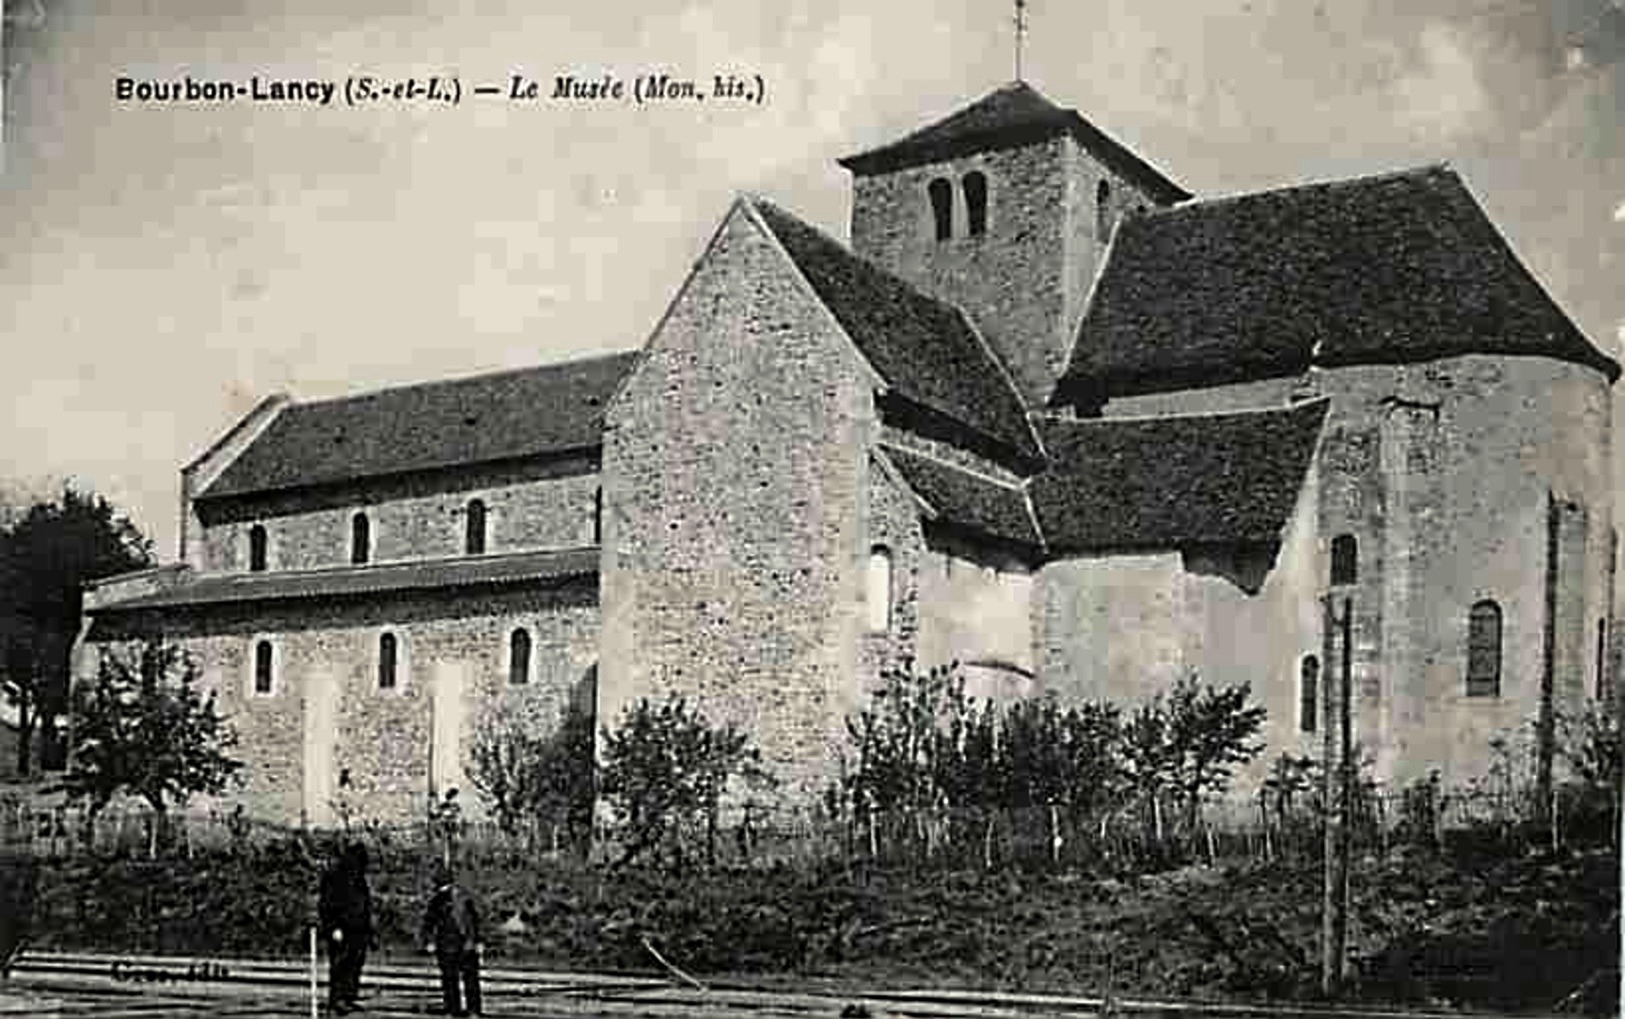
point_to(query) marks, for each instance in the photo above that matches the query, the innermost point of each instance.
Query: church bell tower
(1004, 209)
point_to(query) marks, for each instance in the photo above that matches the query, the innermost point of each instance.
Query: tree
(664, 771)
(528, 777)
(1592, 744)
(923, 747)
(1187, 742)
(1211, 731)
(1058, 757)
(1149, 758)
(910, 740)
(46, 558)
(142, 727)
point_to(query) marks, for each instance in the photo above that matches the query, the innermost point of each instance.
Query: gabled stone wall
(735, 460)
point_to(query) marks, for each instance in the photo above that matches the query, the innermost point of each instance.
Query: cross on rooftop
(1021, 32)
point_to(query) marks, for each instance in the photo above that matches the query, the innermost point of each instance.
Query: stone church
(1047, 415)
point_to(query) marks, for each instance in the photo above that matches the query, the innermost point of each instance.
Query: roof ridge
(1004, 372)
(974, 415)
(378, 566)
(494, 373)
(1013, 113)
(1052, 418)
(878, 268)
(1499, 239)
(973, 472)
(1419, 171)
(1015, 87)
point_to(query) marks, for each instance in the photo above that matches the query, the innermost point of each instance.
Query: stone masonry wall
(976, 609)
(1467, 451)
(420, 518)
(381, 737)
(735, 459)
(1125, 627)
(954, 600)
(1441, 472)
(894, 524)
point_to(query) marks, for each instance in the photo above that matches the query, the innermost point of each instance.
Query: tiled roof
(968, 499)
(1173, 482)
(504, 415)
(1016, 114)
(381, 578)
(1397, 268)
(925, 350)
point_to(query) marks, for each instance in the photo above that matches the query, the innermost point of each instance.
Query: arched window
(1308, 693)
(263, 664)
(360, 539)
(474, 538)
(942, 207)
(386, 661)
(878, 592)
(1345, 560)
(1103, 209)
(519, 657)
(976, 202)
(1484, 650)
(256, 549)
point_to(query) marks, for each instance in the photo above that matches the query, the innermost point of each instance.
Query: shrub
(665, 769)
(531, 779)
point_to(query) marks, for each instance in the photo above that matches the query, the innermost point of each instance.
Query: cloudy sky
(163, 267)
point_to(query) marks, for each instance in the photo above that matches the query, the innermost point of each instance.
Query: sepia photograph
(986, 509)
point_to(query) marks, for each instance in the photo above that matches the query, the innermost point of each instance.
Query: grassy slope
(1510, 932)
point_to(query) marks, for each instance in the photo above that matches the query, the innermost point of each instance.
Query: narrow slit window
(1308, 693)
(879, 590)
(942, 207)
(1103, 210)
(1345, 560)
(474, 539)
(976, 202)
(386, 661)
(519, 658)
(1484, 650)
(360, 539)
(256, 549)
(263, 676)
(598, 516)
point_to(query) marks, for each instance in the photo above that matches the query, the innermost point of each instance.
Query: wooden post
(1054, 835)
(1328, 813)
(315, 1005)
(1545, 726)
(1346, 807)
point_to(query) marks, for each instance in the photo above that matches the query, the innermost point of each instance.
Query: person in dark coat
(345, 914)
(451, 931)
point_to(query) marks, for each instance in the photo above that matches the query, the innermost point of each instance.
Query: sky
(165, 266)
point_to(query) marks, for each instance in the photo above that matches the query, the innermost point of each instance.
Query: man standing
(345, 913)
(451, 930)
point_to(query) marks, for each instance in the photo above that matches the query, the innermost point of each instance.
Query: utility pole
(1337, 778)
